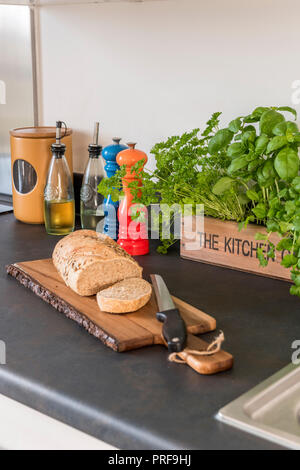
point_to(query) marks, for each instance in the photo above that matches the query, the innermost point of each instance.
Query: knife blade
(174, 328)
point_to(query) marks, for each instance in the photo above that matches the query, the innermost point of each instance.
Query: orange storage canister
(30, 159)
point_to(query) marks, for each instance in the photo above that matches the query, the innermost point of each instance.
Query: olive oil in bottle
(59, 206)
(89, 217)
(59, 217)
(91, 211)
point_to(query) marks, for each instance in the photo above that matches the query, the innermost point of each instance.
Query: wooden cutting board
(119, 332)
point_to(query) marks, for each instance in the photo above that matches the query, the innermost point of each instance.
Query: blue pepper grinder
(109, 153)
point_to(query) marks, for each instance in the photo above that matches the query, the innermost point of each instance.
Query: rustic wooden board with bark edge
(223, 245)
(119, 332)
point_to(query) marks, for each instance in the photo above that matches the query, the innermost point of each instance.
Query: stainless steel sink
(271, 410)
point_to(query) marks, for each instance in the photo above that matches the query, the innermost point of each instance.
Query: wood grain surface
(119, 332)
(222, 244)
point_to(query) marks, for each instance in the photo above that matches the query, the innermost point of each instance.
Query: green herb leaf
(276, 143)
(296, 223)
(224, 184)
(260, 210)
(252, 195)
(287, 164)
(290, 208)
(268, 121)
(289, 109)
(268, 170)
(248, 136)
(261, 144)
(284, 244)
(222, 138)
(272, 226)
(253, 165)
(289, 260)
(295, 290)
(261, 236)
(280, 129)
(285, 226)
(235, 125)
(235, 149)
(258, 112)
(296, 184)
(292, 127)
(295, 276)
(237, 164)
(262, 259)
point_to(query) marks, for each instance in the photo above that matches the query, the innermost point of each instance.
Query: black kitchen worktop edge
(138, 400)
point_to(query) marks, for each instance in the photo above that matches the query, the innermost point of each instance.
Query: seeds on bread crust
(88, 261)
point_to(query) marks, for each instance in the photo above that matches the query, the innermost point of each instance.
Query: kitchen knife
(174, 328)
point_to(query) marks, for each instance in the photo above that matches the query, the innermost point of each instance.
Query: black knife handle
(174, 329)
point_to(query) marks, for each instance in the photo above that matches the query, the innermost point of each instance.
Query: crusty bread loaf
(89, 261)
(125, 296)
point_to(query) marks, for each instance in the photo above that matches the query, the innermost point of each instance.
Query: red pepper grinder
(133, 234)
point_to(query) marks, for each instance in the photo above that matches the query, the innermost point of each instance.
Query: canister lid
(36, 132)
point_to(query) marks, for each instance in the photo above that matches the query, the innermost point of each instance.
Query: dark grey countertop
(137, 400)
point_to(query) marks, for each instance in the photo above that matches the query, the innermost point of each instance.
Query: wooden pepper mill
(133, 234)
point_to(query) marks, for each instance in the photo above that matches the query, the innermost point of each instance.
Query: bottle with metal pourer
(91, 211)
(59, 205)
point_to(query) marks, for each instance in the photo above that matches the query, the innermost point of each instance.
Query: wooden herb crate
(221, 243)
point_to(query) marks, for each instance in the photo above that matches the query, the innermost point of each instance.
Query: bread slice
(125, 296)
(89, 261)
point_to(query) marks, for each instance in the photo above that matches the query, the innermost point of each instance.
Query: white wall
(154, 69)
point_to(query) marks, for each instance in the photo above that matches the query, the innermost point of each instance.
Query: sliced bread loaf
(89, 261)
(125, 296)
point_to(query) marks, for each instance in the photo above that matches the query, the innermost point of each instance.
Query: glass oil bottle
(91, 211)
(59, 204)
